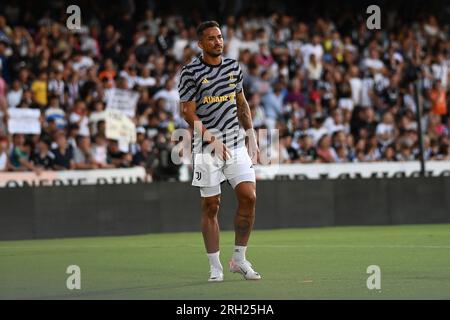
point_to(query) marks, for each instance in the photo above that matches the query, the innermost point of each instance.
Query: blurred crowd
(337, 92)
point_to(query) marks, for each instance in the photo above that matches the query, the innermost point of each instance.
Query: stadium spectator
(318, 129)
(171, 99)
(4, 161)
(14, 95)
(55, 113)
(438, 99)
(117, 157)
(145, 157)
(63, 154)
(39, 89)
(43, 157)
(79, 117)
(307, 151)
(385, 130)
(82, 154)
(164, 167)
(325, 153)
(73, 132)
(287, 155)
(20, 154)
(100, 151)
(389, 153)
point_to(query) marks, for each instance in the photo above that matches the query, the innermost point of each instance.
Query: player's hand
(253, 150)
(252, 146)
(221, 150)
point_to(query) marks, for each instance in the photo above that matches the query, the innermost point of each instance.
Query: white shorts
(210, 172)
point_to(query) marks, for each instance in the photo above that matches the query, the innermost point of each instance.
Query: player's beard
(216, 53)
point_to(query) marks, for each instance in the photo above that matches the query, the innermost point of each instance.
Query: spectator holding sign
(171, 98)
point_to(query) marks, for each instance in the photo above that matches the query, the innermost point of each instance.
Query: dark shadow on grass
(100, 293)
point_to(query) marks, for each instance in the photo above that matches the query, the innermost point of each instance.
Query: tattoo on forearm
(243, 113)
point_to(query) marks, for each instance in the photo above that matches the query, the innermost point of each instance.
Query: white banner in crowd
(351, 170)
(24, 121)
(123, 100)
(119, 127)
(73, 178)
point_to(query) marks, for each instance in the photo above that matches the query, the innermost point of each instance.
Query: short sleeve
(186, 87)
(239, 85)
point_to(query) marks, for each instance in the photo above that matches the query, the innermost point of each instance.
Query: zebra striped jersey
(214, 89)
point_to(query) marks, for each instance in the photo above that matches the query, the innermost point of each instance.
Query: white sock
(214, 260)
(239, 253)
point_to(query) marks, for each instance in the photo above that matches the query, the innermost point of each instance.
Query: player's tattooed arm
(245, 118)
(243, 111)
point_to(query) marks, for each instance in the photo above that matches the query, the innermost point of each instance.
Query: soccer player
(214, 105)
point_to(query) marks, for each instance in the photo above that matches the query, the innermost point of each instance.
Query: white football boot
(215, 275)
(245, 268)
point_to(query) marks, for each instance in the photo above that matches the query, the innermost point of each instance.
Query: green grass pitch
(322, 263)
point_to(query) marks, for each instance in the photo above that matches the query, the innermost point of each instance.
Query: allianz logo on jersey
(214, 99)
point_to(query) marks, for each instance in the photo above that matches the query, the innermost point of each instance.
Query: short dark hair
(205, 25)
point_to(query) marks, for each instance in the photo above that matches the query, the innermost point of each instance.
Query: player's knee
(248, 199)
(211, 207)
